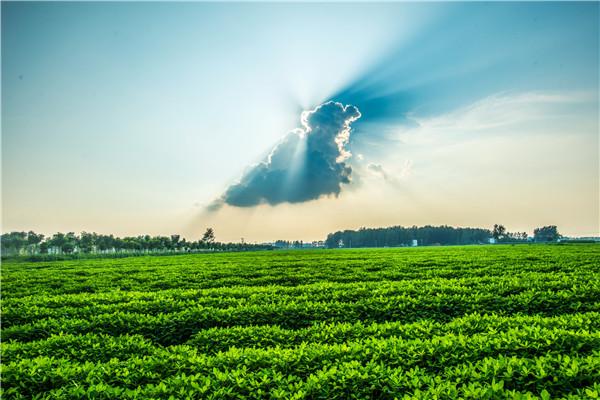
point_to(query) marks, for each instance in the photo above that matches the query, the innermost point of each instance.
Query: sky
(293, 120)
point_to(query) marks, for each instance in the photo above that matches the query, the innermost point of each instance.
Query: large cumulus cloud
(308, 163)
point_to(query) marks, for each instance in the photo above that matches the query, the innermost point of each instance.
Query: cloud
(308, 163)
(389, 177)
(500, 114)
(377, 169)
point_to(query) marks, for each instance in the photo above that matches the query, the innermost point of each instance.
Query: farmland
(471, 322)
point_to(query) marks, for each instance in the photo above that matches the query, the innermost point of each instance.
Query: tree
(404, 236)
(87, 241)
(499, 231)
(546, 234)
(71, 243)
(57, 240)
(34, 238)
(175, 241)
(13, 242)
(284, 244)
(105, 242)
(209, 236)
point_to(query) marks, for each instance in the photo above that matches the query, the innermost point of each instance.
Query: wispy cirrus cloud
(501, 113)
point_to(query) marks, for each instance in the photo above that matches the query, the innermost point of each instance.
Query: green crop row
(176, 328)
(323, 290)
(221, 339)
(576, 350)
(102, 348)
(83, 306)
(287, 269)
(487, 379)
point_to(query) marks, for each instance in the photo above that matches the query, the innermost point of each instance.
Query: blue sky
(132, 117)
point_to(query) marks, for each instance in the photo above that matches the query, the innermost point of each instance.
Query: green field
(449, 322)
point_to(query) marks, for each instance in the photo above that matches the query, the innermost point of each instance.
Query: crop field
(474, 322)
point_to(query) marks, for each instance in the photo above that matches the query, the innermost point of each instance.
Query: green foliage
(403, 236)
(92, 245)
(546, 234)
(209, 236)
(484, 322)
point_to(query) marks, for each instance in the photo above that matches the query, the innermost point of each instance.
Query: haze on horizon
(289, 121)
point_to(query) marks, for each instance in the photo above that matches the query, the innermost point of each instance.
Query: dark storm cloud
(307, 164)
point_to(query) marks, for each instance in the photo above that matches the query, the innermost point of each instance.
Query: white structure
(492, 241)
(415, 243)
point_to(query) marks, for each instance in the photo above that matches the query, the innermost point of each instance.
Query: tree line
(433, 235)
(32, 243)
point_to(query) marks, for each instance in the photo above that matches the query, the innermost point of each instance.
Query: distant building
(415, 243)
(492, 241)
